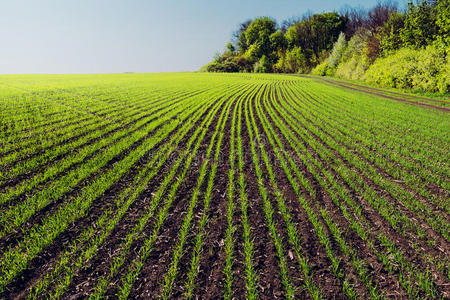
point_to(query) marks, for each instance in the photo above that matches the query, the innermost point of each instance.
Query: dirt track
(382, 93)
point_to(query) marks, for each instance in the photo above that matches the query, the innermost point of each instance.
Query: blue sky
(111, 36)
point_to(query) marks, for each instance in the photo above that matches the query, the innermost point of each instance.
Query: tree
(278, 41)
(238, 37)
(318, 33)
(355, 18)
(337, 52)
(354, 61)
(390, 33)
(258, 36)
(296, 61)
(420, 25)
(326, 28)
(231, 48)
(348, 44)
(443, 21)
(292, 36)
(379, 15)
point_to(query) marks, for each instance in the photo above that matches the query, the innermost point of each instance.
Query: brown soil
(49, 255)
(209, 283)
(381, 225)
(402, 208)
(15, 237)
(18, 179)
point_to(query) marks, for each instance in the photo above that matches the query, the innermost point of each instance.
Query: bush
(279, 66)
(243, 64)
(263, 65)
(354, 68)
(296, 61)
(424, 69)
(320, 69)
(291, 61)
(228, 66)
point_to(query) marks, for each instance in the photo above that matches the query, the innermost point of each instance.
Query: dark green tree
(258, 36)
(443, 21)
(239, 39)
(231, 48)
(315, 34)
(420, 25)
(278, 41)
(390, 33)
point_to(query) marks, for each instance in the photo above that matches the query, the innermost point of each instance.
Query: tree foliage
(420, 25)
(348, 44)
(391, 39)
(354, 61)
(292, 61)
(443, 21)
(258, 36)
(318, 33)
(278, 41)
(263, 65)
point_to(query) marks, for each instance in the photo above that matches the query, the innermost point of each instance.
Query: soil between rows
(150, 281)
(46, 257)
(18, 179)
(431, 186)
(99, 266)
(379, 223)
(399, 205)
(384, 281)
(210, 279)
(313, 250)
(208, 283)
(13, 238)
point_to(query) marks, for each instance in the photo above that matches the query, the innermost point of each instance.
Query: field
(194, 185)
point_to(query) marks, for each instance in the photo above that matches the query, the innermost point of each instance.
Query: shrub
(226, 66)
(424, 69)
(263, 65)
(291, 61)
(354, 68)
(320, 69)
(279, 66)
(296, 61)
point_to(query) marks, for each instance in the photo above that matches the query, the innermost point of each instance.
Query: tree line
(382, 45)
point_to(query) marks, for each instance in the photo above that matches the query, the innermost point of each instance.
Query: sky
(145, 36)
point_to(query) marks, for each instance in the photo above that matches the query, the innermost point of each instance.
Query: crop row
(119, 184)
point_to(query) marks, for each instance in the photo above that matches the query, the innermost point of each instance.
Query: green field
(200, 185)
